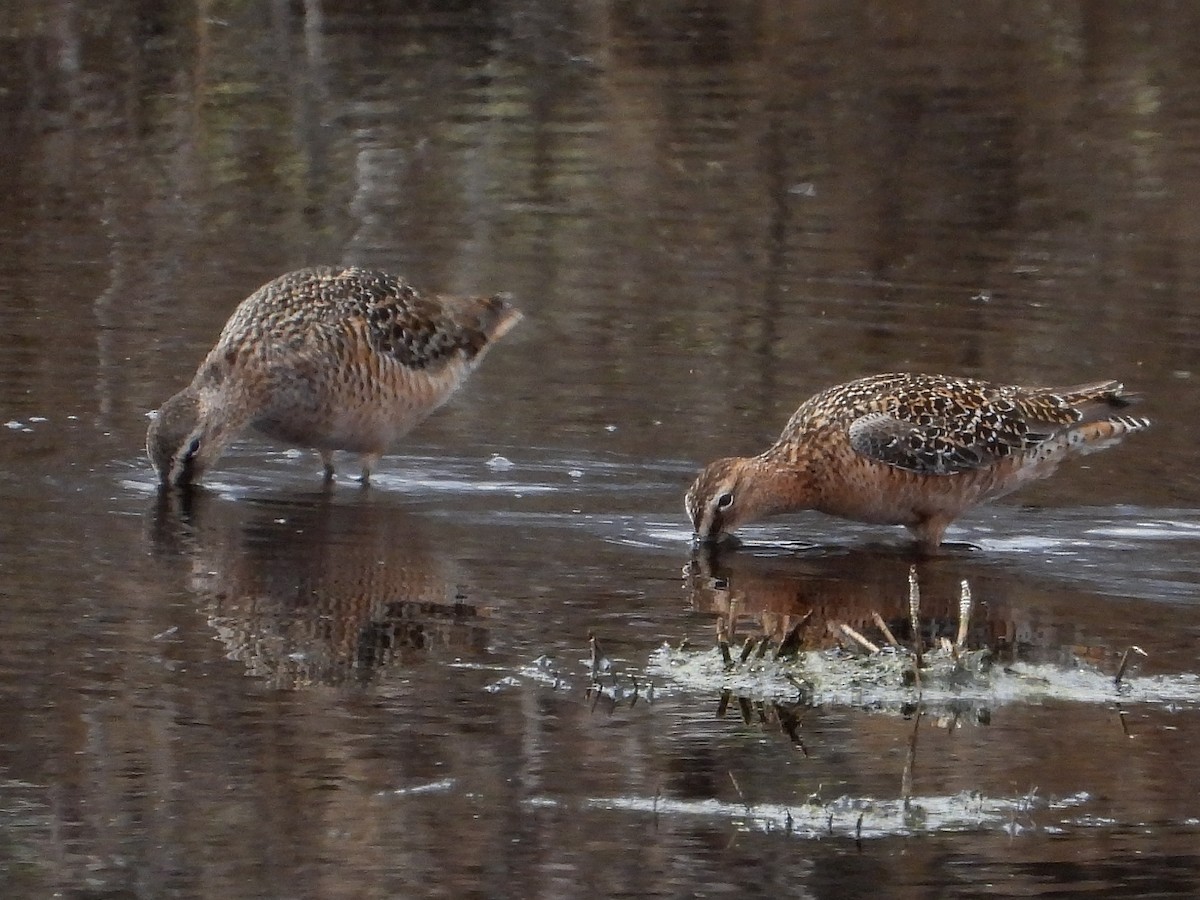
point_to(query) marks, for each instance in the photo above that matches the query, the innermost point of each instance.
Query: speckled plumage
(912, 450)
(334, 359)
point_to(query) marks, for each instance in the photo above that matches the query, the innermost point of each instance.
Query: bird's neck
(781, 483)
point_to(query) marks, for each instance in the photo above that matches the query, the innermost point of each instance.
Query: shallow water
(707, 212)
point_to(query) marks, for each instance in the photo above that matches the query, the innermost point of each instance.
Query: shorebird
(328, 358)
(911, 450)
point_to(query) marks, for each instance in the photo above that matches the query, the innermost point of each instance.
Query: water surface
(707, 212)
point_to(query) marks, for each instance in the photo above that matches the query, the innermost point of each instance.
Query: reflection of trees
(786, 198)
(709, 210)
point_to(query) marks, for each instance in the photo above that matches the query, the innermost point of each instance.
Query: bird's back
(902, 448)
(309, 308)
(349, 359)
(942, 425)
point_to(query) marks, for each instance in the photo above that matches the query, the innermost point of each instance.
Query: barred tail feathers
(1101, 434)
(1077, 440)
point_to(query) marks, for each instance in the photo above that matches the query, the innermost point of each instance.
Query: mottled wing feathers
(422, 332)
(930, 449)
(936, 425)
(331, 310)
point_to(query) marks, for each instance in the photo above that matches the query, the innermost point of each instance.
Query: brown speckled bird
(911, 450)
(334, 359)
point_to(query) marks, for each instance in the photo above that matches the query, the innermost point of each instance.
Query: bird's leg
(928, 531)
(327, 460)
(369, 461)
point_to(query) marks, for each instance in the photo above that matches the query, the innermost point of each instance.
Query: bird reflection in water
(789, 604)
(309, 590)
(774, 607)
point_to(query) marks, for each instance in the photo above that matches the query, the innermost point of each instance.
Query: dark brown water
(708, 211)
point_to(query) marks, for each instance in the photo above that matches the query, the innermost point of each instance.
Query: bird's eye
(725, 500)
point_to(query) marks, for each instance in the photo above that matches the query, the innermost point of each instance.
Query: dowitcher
(333, 359)
(911, 450)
